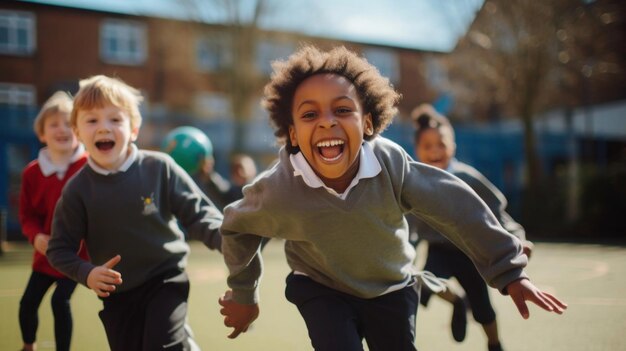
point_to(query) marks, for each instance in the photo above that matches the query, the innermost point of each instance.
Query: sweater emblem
(148, 205)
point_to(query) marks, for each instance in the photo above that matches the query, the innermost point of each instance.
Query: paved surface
(591, 278)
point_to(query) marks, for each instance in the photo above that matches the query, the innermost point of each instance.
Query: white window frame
(12, 94)
(131, 40)
(386, 60)
(213, 53)
(17, 24)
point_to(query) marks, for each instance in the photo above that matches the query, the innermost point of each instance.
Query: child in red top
(42, 182)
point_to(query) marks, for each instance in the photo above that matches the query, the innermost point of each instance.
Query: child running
(127, 205)
(435, 146)
(42, 181)
(338, 196)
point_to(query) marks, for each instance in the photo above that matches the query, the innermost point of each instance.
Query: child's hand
(236, 315)
(523, 290)
(41, 243)
(103, 279)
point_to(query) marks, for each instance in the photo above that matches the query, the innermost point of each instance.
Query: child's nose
(328, 120)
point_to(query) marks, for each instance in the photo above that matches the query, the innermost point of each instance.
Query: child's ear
(75, 131)
(134, 133)
(292, 136)
(368, 125)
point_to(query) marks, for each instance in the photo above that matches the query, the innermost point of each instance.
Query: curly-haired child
(338, 196)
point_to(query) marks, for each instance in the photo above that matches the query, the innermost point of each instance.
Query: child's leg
(331, 321)
(166, 315)
(122, 316)
(389, 320)
(36, 288)
(478, 297)
(442, 261)
(62, 313)
(437, 264)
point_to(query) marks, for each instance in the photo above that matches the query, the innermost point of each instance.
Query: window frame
(17, 21)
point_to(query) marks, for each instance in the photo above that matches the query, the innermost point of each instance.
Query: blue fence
(495, 151)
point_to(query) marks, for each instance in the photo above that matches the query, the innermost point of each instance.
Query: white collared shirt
(49, 168)
(123, 168)
(368, 168)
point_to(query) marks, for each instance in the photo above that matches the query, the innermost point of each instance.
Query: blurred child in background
(42, 181)
(435, 146)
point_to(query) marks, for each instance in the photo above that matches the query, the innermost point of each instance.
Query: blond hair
(59, 102)
(97, 91)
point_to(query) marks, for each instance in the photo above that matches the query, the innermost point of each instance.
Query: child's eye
(309, 115)
(343, 110)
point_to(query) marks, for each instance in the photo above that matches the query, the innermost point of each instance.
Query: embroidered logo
(148, 205)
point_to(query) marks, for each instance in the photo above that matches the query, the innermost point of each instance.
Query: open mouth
(105, 145)
(330, 150)
(62, 139)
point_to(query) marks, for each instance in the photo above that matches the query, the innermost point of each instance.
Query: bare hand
(103, 279)
(237, 315)
(41, 243)
(523, 290)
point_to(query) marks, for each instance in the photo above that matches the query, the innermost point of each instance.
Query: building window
(123, 42)
(213, 53)
(17, 32)
(268, 51)
(386, 61)
(17, 95)
(211, 105)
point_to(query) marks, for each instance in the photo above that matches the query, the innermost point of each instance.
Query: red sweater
(38, 197)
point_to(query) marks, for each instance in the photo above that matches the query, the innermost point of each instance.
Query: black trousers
(446, 262)
(149, 317)
(37, 286)
(340, 321)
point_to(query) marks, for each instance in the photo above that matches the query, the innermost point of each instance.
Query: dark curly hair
(377, 95)
(426, 117)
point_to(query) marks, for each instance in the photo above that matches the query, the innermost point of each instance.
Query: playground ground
(591, 278)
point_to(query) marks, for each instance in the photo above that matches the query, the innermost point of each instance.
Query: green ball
(188, 146)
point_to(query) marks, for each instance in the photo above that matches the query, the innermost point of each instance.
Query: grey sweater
(488, 192)
(135, 214)
(360, 245)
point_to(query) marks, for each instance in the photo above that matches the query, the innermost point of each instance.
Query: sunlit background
(535, 89)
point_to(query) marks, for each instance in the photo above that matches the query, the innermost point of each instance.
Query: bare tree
(524, 56)
(238, 22)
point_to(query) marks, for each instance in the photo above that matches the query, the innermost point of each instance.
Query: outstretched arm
(523, 290)
(236, 315)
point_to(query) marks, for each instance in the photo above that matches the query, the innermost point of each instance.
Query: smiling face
(434, 148)
(328, 123)
(57, 134)
(107, 134)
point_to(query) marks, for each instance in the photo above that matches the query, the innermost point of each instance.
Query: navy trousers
(340, 321)
(149, 317)
(37, 286)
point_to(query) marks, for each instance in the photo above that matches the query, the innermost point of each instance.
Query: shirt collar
(123, 168)
(369, 167)
(49, 168)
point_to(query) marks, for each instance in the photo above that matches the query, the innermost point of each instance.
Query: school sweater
(488, 192)
(40, 191)
(135, 214)
(360, 245)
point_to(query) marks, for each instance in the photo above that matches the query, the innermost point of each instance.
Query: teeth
(328, 143)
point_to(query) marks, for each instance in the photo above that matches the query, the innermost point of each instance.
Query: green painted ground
(591, 278)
